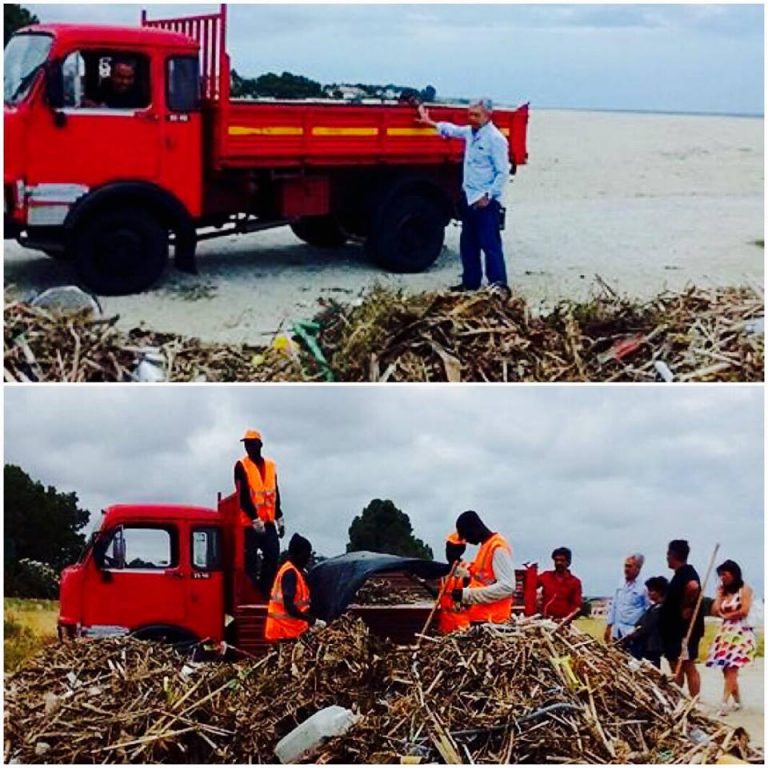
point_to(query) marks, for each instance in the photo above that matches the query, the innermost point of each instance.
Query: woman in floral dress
(734, 645)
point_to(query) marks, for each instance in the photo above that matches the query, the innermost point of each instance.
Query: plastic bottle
(328, 722)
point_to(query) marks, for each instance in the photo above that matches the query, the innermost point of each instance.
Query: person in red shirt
(560, 589)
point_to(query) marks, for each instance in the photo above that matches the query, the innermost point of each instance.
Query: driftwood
(519, 692)
(695, 335)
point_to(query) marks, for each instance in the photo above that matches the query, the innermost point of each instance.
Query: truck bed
(259, 134)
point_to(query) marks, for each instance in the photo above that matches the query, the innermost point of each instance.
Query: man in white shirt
(630, 601)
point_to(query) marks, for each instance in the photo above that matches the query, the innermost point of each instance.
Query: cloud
(604, 470)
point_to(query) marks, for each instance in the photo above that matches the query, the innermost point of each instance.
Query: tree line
(290, 86)
(45, 531)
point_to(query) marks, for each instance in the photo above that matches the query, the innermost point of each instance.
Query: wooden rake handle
(437, 602)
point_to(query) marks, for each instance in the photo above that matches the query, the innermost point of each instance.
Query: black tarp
(334, 583)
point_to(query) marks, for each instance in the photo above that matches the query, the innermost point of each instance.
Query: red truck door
(142, 579)
(101, 134)
(205, 596)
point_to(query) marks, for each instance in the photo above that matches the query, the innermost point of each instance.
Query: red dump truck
(176, 573)
(111, 188)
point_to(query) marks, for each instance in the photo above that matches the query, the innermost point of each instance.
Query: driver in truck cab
(121, 90)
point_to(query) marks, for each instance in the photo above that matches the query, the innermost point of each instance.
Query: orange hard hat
(251, 434)
(454, 538)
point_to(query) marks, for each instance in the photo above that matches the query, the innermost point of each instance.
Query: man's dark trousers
(480, 232)
(269, 544)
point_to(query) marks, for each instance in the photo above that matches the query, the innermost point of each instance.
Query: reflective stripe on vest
(482, 575)
(280, 624)
(263, 491)
(451, 616)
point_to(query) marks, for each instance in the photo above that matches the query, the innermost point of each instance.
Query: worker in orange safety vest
(453, 616)
(288, 612)
(260, 513)
(492, 573)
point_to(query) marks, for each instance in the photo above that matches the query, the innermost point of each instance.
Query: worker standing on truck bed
(492, 574)
(288, 613)
(260, 512)
(486, 171)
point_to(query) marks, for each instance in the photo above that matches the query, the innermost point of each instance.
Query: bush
(31, 578)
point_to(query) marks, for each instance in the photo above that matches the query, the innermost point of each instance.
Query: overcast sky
(604, 470)
(700, 58)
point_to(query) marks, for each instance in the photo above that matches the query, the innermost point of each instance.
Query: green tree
(15, 17)
(41, 525)
(382, 527)
(429, 93)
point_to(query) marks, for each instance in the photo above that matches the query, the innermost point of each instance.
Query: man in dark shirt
(121, 90)
(560, 589)
(676, 614)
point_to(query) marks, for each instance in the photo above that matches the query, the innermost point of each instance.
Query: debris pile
(522, 692)
(696, 335)
(527, 692)
(53, 345)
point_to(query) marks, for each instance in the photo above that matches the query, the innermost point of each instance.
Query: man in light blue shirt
(486, 171)
(630, 601)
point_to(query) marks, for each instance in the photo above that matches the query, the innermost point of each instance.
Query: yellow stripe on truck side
(411, 132)
(320, 130)
(266, 130)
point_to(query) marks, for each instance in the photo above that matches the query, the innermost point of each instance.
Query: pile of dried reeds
(49, 345)
(528, 692)
(124, 700)
(522, 692)
(696, 335)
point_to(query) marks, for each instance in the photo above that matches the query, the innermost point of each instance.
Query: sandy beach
(647, 202)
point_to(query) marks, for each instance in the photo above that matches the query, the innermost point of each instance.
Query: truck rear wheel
(320, 231)
(121, 252)
(409, 234)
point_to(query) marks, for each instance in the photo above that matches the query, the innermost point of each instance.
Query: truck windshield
(24, 57)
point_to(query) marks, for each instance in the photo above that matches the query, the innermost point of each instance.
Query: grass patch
(28, 625)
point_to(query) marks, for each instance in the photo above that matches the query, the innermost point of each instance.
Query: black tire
(319, 231)
(409, 234)
(120, 252)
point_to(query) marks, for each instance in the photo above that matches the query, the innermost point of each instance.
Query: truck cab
(75, 150)
(155, 571)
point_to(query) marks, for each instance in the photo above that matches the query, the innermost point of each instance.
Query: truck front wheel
(120, 252)
(320, 231)
(409, 234)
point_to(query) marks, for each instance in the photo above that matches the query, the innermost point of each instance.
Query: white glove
(258, 525)
(461, 572)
